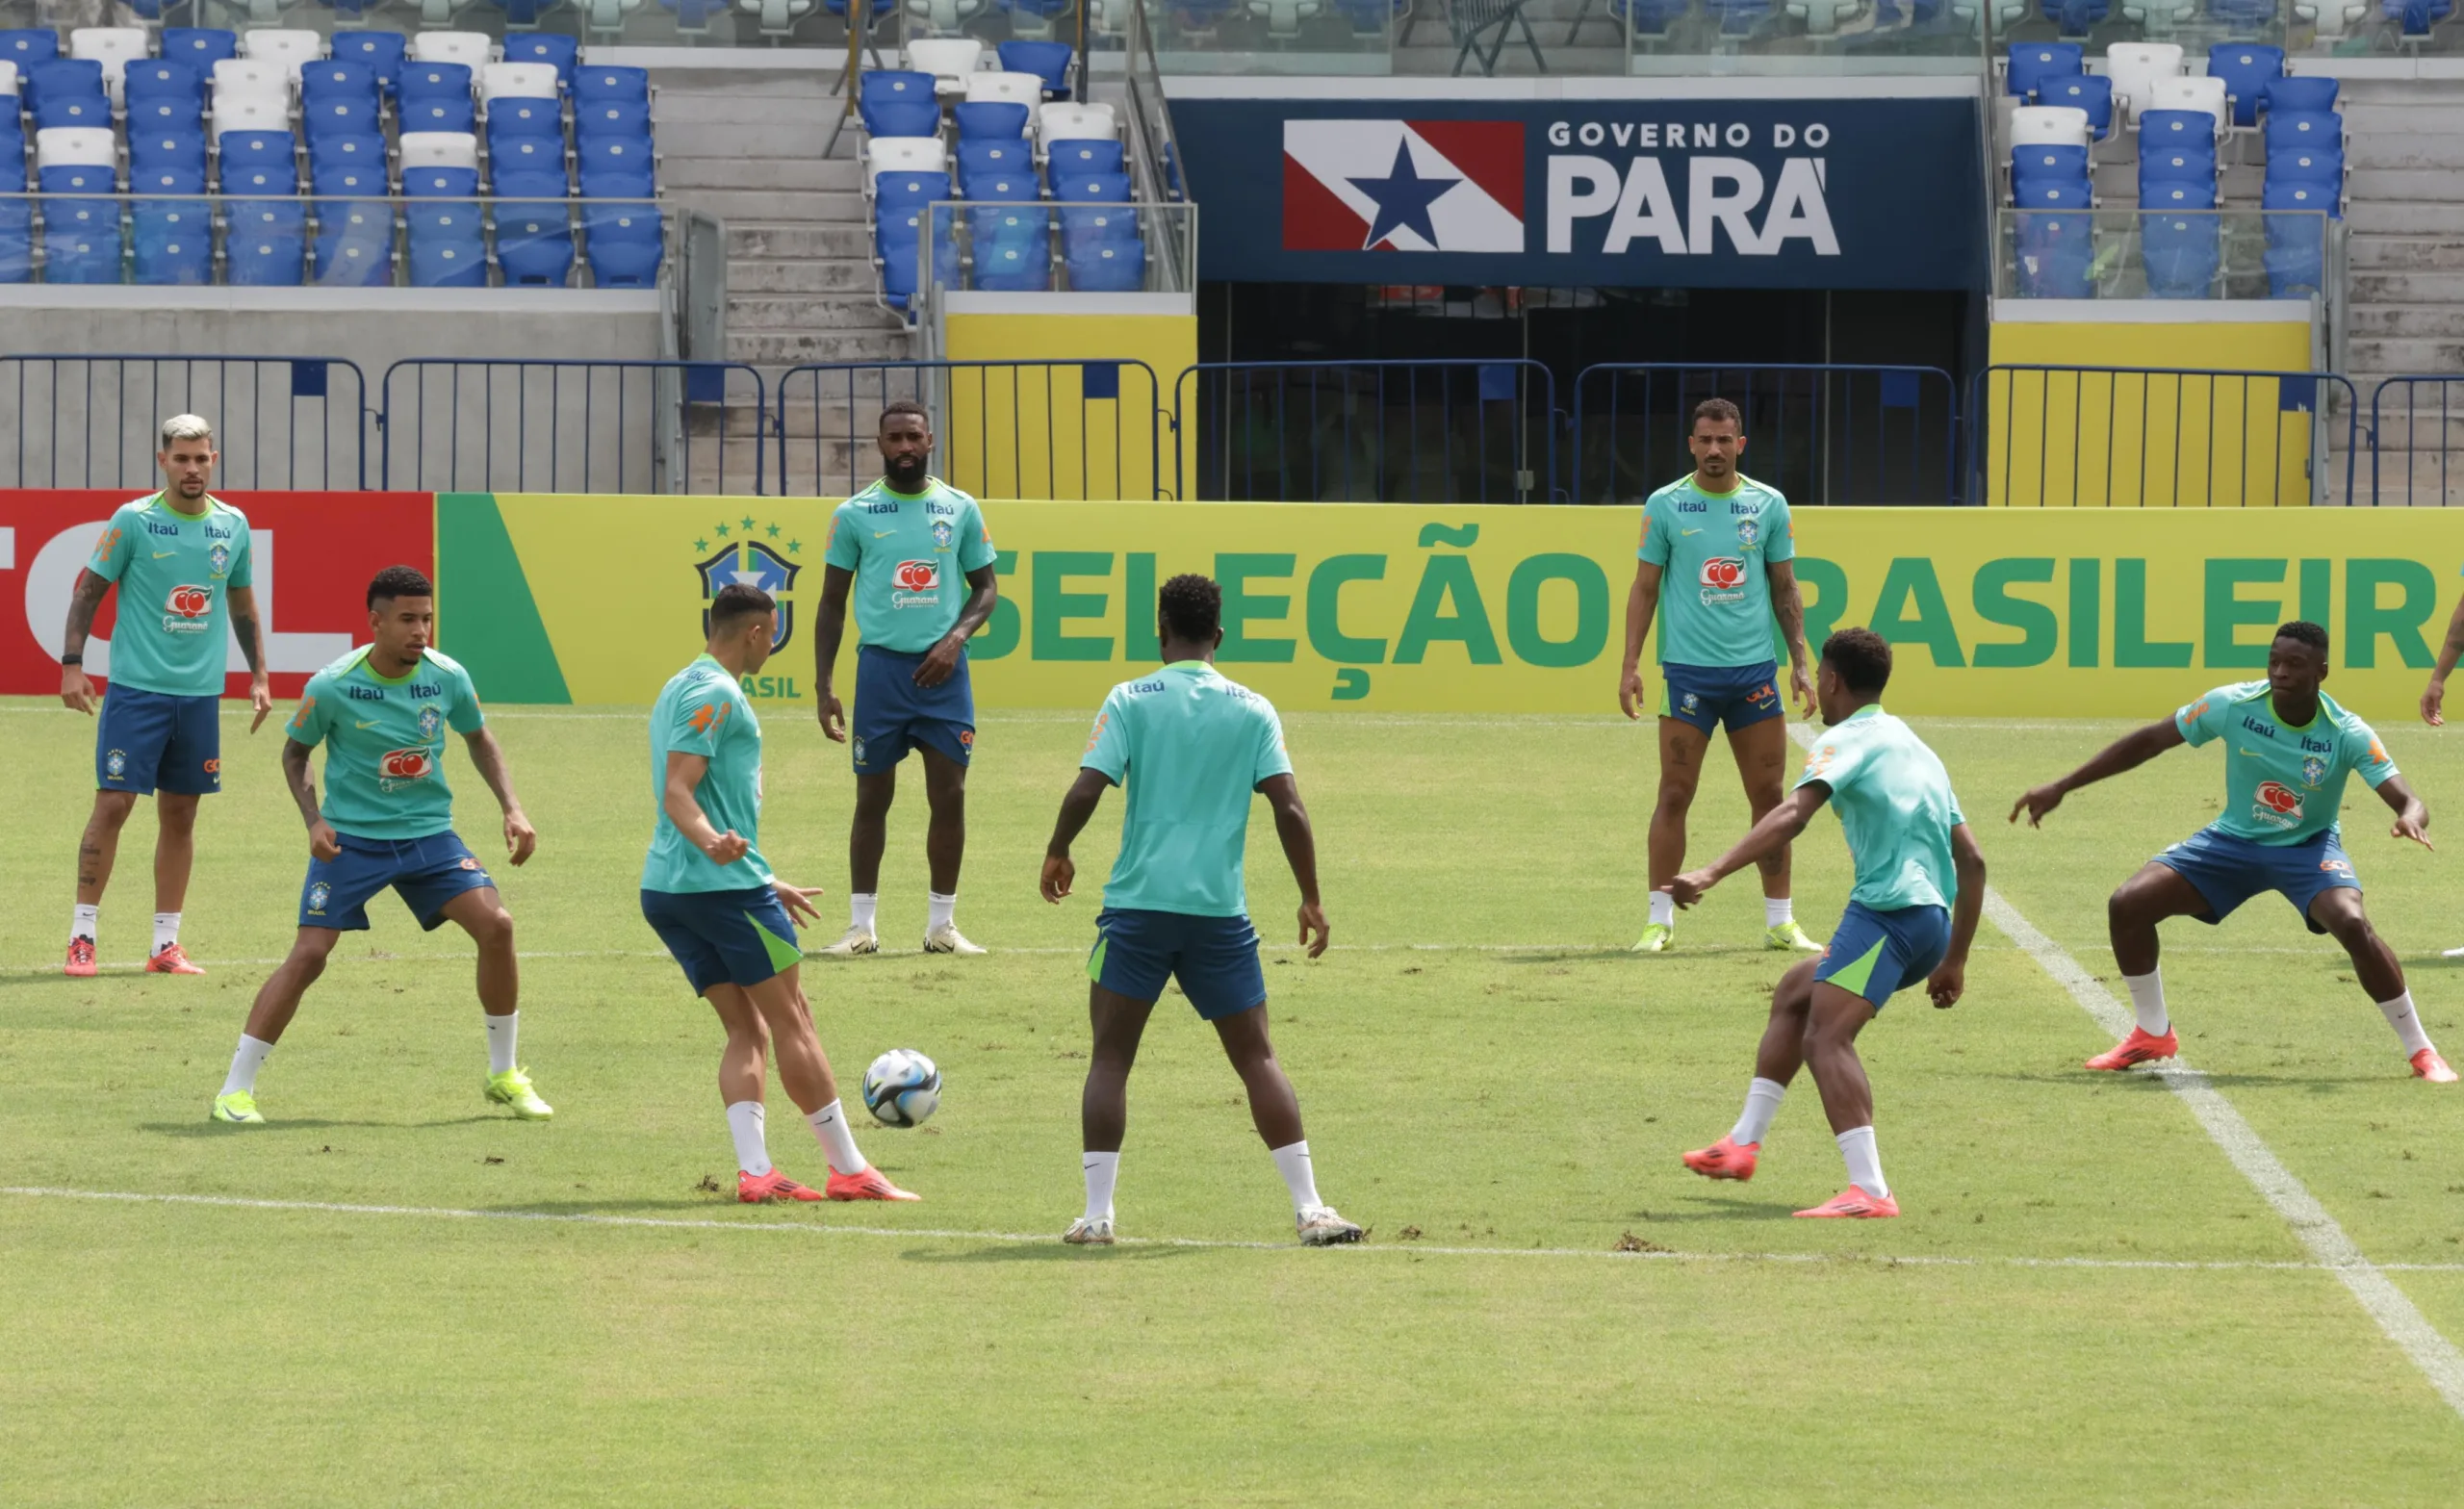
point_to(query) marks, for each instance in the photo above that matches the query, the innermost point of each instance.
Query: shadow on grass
(1564, 955)
(204, 1126)
(1720, 1208)
(1056, 1252)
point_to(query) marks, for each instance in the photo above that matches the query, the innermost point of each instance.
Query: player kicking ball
(381, 712)
(1921, 889)
(1192, 747)
(2284, 782)
(709, 895)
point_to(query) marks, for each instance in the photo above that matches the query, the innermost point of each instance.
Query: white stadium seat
(517, 81)
(249, 112)
(76, 146)
(1283, 17)
(291, 49)
(1017, 89)
(1822, 18)
(1067, 120)
(2334, 17)
(2200, 93)
(951, 61)
(944, 15)
(440, 149)
(779, 18)
(247, 78)
(2136, 66)
(2163, 15)
(2049, 125)
(904, 154)
(8, 78)
(468, 48)
(114, 47)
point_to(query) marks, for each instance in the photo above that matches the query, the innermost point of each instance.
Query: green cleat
(239, 1107)
(512, 1088)
(1659, 937)
(1789, 938)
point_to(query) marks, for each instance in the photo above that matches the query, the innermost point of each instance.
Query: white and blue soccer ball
(902, 1089)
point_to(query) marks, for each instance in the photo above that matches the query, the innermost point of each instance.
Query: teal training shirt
(2283, 785)
(1191, 747)
(702, 710)
(1715, 551)
(385, 742)
(910, 553)
(174, 570)
(1895, 807)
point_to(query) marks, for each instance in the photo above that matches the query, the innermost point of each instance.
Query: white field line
(2319, 1231)
(943, 1234)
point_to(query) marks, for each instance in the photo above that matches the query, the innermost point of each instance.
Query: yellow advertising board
(1388, 607)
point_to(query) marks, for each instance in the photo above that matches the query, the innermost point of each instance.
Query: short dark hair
(2302, 630)
(903, 406)
(735, 602)
(1862, 659)
(399, 582)
(1716, 409)
(1192, 607)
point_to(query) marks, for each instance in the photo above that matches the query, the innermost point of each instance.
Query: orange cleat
(170, 960)
(1853, 1204)
(869, 1185)
(1724, 1159)
(2137, 1048)
(80, 960)
(2428, 1066)
(763, 1188)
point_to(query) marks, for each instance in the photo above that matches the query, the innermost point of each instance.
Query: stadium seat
(340, 114)
(2201, 93)
(2048, 125)
(2090, 92)
(1013, 266)
(602, 82)
(425, 79)
(9, 92)
(237, 79)
(273, 152)
(113, 47)
(513, 119)
(438, 149)
(270, 174)
(2247, 69)
(630, 120)
(468, 49)
(2033, 64)
(624, 249)
(331, 159)
(83, 252)
(353, 247)
(339, 78)
(949, 60)
(164, 112)
(291, 50)
(332, 178)
(1080, 156)
(2175, 165)
(172, 243)
(528, 156)
(605, 183)
(12, 167)
(2304, 92)
(430, 181)
(28, 46)
(1017, 89)
(518, 183)
(903, 155)
(163, 78)
(2290, 129)
(63, 78)
(990, 121)
(2178, 193)
(2180, 254)
(533, 81)
(629, 157)
(2302, 196)
(181, 148)
(902, 194)
(1062, 121)
(2136, 66)
(2076, 17)
(76, 146)
(893, 88)
(1082, 228)
(1112, 266)
(535, 245)
(2191, 129)
(902, 260)
(265, 241)
(2058, 163)
(558, 52)
(384, 53)
(2296, 252)
(996, 159)
(1001, 190)
(58, 111)
(2056, 255)
(2307, 165)
(1047, 61)
(902, 117)
(433, 112)
(2052, 193)
(199, 47)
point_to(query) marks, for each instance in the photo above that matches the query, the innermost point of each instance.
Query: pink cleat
(1724, 1159)
(2428, 1066)
(171, 960)
(1853, 1204)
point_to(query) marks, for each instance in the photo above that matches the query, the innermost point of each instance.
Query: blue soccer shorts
(1878, 954)
(739, 938)
(149, 741)
(894, 715)
(1214, 958)
(2228, 871)
(1709, 696)
(427, 873)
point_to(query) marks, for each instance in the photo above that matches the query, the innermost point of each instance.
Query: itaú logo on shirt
(185, 610)
(916, 584)
(399, 768)
(1723, 580)
(2276, 804)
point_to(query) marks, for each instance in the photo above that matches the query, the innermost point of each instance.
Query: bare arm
(2412, 817)
(1788, 605)
(2127, 753)
(985, 590)
(1077, 807)
(826, 635)
(1778, 826)
(1299, 850)
(301, 783)
(1949, 980)
(1642, 604)
(2434, 696)
(84, 600)
(677, 799)
(252, 650)
(487, 758)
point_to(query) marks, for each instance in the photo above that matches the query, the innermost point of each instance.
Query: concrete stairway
(2408, 289)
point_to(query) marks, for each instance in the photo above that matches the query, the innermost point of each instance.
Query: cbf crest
(1748, 532)
(942, 533)
(753, 562)
(430, 721)
(2314, 770)
(219, 557)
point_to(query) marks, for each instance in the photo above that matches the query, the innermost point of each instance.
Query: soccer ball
(902, 1089)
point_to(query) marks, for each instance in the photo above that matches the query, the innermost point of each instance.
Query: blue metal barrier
(512, 425)
(2424, 480)
(1820, 433)
(2125, 437)
(1027, 429)
(1448, 431)
(280, 421)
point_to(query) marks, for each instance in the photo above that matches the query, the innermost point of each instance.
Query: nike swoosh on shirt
(883, 534)
(160, 554)
(1683, 532)
(363, 724)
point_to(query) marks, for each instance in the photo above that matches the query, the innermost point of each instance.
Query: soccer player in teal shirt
(1717, 567)
(387, 820)
(1192, 747)
(1911, 918)
(902, 547)
(2289, 749)
(711, 898)
(187, 587)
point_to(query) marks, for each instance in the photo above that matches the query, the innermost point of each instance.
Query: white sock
(500, 1038)
(747, 1123)
(837, 1143)
(2406, 1021)
(82, 925)
(943, 909)
(1292, 1162)
(1102, 1169)
(859, 910)
(2147, 999)
(244, 1064)
(1762, 1103)
(1663, 910)
(1865, 1162)
(166, 929)
(1776, 910)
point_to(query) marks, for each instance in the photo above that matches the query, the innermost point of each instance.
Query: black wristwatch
(69, 660)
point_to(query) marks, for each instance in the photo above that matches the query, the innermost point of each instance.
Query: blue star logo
(1403, 198)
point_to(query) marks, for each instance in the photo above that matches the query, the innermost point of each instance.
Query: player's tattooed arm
(1778, 829)
(2127, 753)
(487, 758)
(1949, 980)
(1642, 604)
(1299, 850)
(1077, 806)
(302, 782)
(252, 650)
(84, 600)
(2412, 817)
(1788, 605)
(835, 581)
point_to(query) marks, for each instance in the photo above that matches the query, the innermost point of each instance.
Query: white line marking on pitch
(941, 1233)
(2318, 1231)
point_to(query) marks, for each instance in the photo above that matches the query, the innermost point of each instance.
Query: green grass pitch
(1492, 1084)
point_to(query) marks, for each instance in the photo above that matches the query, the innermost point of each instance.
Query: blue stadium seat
(1108, 267)
(29, 47)
(515, 183)
(2305, 164)
(2415, 17)
(329, 157)
(624, 249)
(63, 78)
(1013, 266)
(1047, 61)
(549, 47)
(330, 179)
(58, 110)
(382, 51)
(269, 152)
(433, 80)
(2308, 91)
(879, 87)
(173, 242)
(2247, 69)
(2296, 253)
(87, 253)
(626, 156)
(162, 78)
(16, 241)
(2290, 129)
(2053, 193)
(266, 218)
(527, 156)
(2180, 254)
(997, 159)
(262, 253)
(520, 119)
(2193, 129)
(602, 82)
(1082, 228)
(902, 191)
(184, 147)
(1739, 18)
(2074, 17)
(902, 262)
(1021, 226)
(1000, 188)
(2057, 255)
(163, 113)
(2300, 197)
(441, 183)
(343, 78)
(340, 114)
(985, 120)
(523, 13)
(2175, 165)
(353, 247)
(12, 171)
(2180, 194)
(535, 245)
(166, 181)
(201, 47)
(693, 16)
(905, 118)
(269, 175)
(2091, 92)
(438, 112)
(1042, 14)
(1114, 187)
(1069, 157)
(612, 185)
(608, 118)
(447, 244)
(77, 180)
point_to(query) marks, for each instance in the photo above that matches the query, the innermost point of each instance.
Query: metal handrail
(2448, 411)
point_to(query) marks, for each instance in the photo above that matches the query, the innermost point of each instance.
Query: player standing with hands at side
(901, 545)
(183, 564)
(1718, 565)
